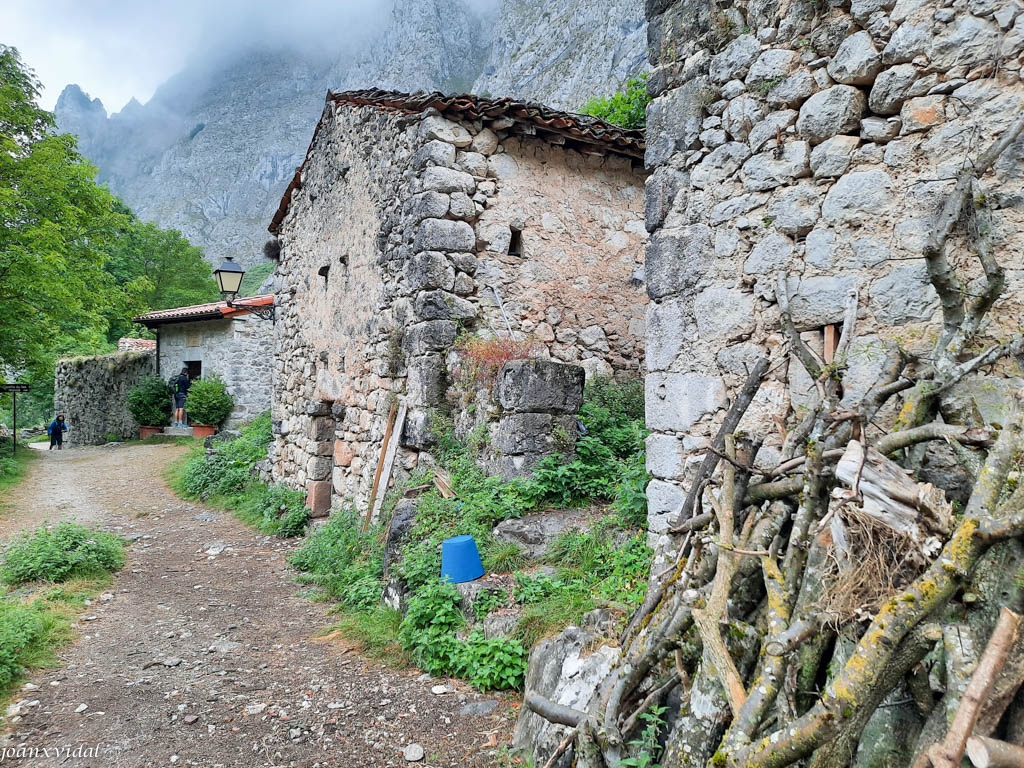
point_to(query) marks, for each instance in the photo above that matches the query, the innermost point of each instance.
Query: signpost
(14, 389)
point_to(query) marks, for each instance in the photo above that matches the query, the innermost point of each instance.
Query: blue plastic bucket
(460, 559)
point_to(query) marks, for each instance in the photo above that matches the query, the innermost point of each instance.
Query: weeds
(62, 552)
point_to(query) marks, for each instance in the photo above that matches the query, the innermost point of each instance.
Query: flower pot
(145, 432)
(203, 430)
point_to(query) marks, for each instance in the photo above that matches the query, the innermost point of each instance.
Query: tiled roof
(212, 311)
(126, 344)
(543, 121)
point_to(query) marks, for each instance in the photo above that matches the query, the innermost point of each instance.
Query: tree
(54, 222)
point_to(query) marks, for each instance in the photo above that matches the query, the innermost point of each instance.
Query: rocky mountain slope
(211, 152)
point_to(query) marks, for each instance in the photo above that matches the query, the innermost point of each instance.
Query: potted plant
(149, 403)
(208, 405)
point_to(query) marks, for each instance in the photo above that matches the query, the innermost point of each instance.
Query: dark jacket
(181, 384)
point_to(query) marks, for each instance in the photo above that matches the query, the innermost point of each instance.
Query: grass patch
(375, 632)
(13, 468)
(67, 550)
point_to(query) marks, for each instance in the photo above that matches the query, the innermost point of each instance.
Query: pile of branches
(804, 595)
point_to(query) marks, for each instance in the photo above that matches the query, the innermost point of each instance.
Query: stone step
(178, 431)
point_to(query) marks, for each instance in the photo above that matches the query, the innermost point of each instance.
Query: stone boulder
(830, 112)
(534, 532)
(540, 386)
(402, 523)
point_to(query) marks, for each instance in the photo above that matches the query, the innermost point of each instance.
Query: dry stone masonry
(91, 392)
(417, 219)
(813, 140)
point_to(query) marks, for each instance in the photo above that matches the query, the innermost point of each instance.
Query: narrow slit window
(515, 242)
(323, 272)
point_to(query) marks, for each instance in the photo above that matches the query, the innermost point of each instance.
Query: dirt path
(202, 655)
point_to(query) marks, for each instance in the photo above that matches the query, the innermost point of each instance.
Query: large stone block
(427, 380)
(795, 210)
(771, 254)
(662, 187)
(666, 457)
(677, 401)
(719, 165)
(858, 195)
(768, 170)
(857, 61)
(444, 235)
(434, 153)
(724, 313)
(664, 501)
(735, 59)
(540, 386)
(439, 179)
(431, 336)
(674, 121)
(531, 433)
(318, 497)
(428, 205)
(830, 112)
(441, 305)
(677, 259)
(891, 88)
(319, 467)
(905, 295)
(669, 326)
(442, 129)
(818, 301)
(429, 270)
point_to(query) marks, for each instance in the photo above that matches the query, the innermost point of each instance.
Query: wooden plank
(380, 465)
(391, 452)
(831, 342)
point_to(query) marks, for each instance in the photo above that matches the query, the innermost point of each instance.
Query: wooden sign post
(14, 389)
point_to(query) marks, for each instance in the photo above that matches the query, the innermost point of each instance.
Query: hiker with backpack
(180, 387)
(56, 432)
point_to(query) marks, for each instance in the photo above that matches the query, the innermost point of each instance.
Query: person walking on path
(180, 387)
(56, 432)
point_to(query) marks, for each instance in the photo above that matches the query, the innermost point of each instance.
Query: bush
(209, 401)
(20, 627)
(228, 470)
(149, 402)
(344, 561)
(60, 553)
(627, 108)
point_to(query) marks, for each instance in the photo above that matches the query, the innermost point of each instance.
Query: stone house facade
(415, 219)
(816, 142)
(215, 339)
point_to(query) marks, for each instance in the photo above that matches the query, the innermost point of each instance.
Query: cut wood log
(990, 753)
(891, 497)
(1003, 690)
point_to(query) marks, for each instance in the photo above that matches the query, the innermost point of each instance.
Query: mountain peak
(74, 99)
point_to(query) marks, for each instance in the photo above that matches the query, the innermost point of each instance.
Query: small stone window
(323, 272)
(343, 261)
(515, 243)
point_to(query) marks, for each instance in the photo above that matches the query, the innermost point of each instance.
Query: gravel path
(202, 652)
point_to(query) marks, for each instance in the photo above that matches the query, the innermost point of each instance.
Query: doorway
(195, 369)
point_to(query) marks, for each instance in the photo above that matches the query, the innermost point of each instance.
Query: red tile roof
(545, 122)
(125, 344)
(212, 311)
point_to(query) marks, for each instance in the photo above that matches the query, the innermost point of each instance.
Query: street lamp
(229, 280)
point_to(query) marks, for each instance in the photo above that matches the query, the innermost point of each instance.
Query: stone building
(417, 218)
(215, 339)
(815, 141)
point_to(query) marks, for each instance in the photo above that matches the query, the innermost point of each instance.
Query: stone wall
(239, 351)
(813, 140)
(399, 234)
(91, 393)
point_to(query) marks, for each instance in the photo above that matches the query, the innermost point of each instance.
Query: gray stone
(719, 165)
(880, 129)
(485, 142)
(418, 432)
(966, 42)
(479, 708)
(677, 401)
(922, 113)
(1013, 42)
(431, 336)
(593, 337)
(735, 59)
(1005, 15)
(437, 127)
(856, 195)
(827, 36)
(664, 501)
(795, 210)
(820, 248)
(502, 166)
(441, 305)
(904, 295)
(733, 88)
(444, 235)
(906, 43)
(766, 171)
(413, 753)
(464, 262)
(665, 455)
(669, 325)
(769, 129)
(868, 252)
(980, 400)
(438, 179)
(831, 158)
(426, 381)
(713, 137)
(428, 205)
(402, 522)
(794, 90)
(891, 89)
(898, 154)
(524, 433)
(428, 270)
(674, 121)
(533, 533)
(539, 386)
(462, 206)
(661, 190)
(857, 61)
(434, 153)
(862, 10)
(818, 301)
(741, 115)
(473, 163)
(771, 67)
(724, 313)
(771, 254)
(733, 207)
(677, 259)
(833, 111)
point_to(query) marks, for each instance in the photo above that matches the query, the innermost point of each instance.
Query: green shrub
(60, 553)
(344, 561)
(428, 629)
(293, 522)
(149, 402)
(20, 627)
(627, 108)
(209, 402)
(228, 469)
(493, 664)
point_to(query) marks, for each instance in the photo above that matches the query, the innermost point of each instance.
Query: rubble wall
(814, 141)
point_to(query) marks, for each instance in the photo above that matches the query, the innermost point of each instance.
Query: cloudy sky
(117, 49)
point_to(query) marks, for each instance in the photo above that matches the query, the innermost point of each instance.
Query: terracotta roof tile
(212, 311)
(581, 128)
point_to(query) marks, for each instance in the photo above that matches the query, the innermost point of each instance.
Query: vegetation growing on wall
(627, 108)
